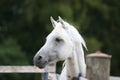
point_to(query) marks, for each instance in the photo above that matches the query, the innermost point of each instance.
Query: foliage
(10, 53)
(102, 18)
(28, 23)
(93, 44)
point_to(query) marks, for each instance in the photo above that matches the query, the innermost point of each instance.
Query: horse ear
(61, 21)
(53, 21)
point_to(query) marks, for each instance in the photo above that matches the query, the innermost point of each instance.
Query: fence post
(98, 66)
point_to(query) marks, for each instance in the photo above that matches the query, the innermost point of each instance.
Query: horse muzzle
(40, 62)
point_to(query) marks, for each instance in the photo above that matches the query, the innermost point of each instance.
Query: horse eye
(58, 39)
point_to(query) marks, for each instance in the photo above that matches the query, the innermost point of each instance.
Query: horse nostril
(46, 61)
(40, 57)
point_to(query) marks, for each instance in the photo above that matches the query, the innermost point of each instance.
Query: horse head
(58, 45)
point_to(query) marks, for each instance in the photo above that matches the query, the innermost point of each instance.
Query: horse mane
(73, 32)
(79, 43)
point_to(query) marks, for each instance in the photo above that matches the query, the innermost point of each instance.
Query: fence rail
(20, 69)
(27, 69)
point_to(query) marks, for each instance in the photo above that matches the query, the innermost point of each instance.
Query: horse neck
(72, 65)
(76, 63)
(78, 53)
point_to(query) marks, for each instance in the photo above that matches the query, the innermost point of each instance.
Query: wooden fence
(28, 69)
(98, 68)
(20, 69)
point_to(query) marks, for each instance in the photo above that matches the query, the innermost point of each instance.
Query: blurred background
(24, 24)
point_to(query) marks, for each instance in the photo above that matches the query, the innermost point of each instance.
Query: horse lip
(41, 64)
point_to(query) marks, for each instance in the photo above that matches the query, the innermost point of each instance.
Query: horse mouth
(41, 64)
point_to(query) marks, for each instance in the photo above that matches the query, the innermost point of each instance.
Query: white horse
(63, 43)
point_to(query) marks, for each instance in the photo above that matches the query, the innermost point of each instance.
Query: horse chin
(41, 65)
